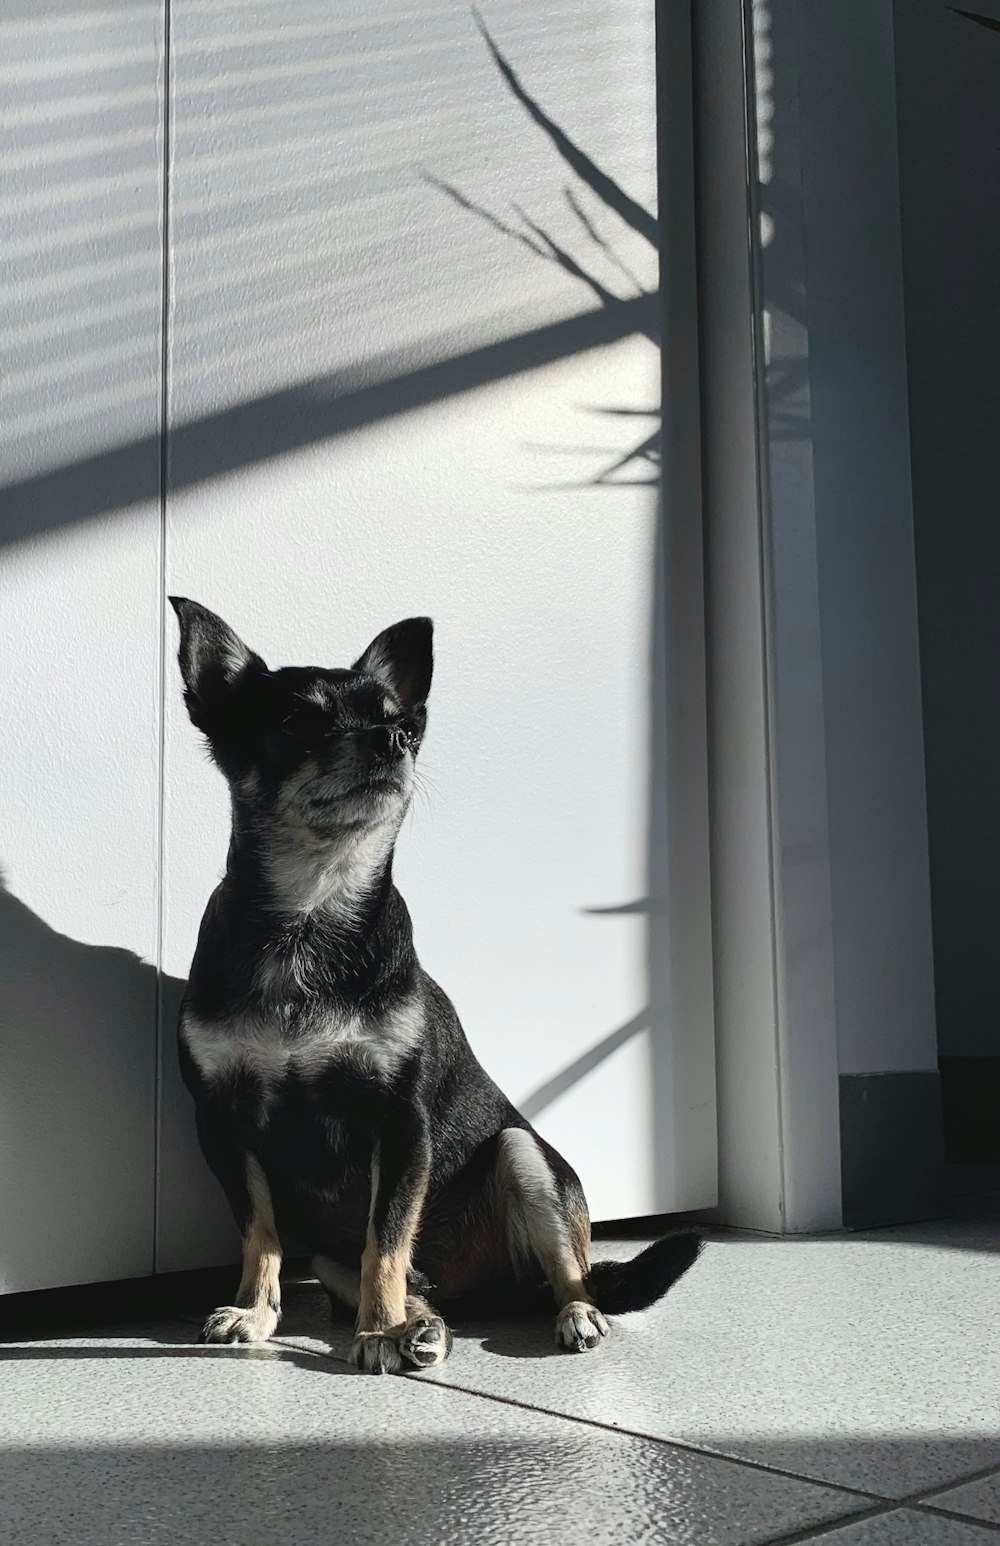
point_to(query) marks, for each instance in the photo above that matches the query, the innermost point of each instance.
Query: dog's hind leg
(547, 1221)
(342, 1284)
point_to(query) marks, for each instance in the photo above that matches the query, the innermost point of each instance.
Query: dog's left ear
(403, 658)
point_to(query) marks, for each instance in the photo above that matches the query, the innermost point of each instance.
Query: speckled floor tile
(175, 1332)
(980, 1499)
(861, 1360)
(907, 1527)
(147, 1439)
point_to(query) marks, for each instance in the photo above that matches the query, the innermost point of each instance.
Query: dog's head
(314, 756)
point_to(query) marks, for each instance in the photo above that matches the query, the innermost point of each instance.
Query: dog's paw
(580, 1326)
(376, 1352)
(231, 1323)
(425, 1342)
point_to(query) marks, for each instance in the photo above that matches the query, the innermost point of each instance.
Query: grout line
(879, 1504)
(924, 1495)
(631, 1433)
(955, 1514)
(816, 1532)
(675, 1443)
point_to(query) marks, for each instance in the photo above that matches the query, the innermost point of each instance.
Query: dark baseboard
(970, 1095)
(891, 1147)
(648, 1226)
(102, 1304)
(971, 1191)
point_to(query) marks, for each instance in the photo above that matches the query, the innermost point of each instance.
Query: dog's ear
(403, 658)
(212, 658)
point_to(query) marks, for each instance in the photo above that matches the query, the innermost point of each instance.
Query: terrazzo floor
(844, 1388)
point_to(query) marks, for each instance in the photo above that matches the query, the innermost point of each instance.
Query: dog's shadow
(307, 1321)
(161, 1317)
(529, 1337)
(521, 1338)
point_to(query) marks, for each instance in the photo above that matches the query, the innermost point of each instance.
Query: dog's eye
(308, 726)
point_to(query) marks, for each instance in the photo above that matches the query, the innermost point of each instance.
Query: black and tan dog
(338, 1101)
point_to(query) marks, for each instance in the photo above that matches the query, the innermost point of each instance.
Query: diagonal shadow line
(472, 208)
(298, 416)
(543, 246)
(605, 187)
(983, 21)
(565, 1079)
(266, 1352)
(567, 262)
(599, 241)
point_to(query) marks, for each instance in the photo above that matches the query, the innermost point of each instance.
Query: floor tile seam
(915, 1499)
(687, 1445)
(921, 1500)
(815, 1532)
(926, 1494)
(936, 1512)
(413, 1378)
(889, 1506)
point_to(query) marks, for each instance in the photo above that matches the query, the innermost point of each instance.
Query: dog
(338, 1101)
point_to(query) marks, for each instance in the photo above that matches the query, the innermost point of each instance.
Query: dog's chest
(273, 1049)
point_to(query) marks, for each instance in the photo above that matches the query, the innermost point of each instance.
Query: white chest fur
(266, 1050)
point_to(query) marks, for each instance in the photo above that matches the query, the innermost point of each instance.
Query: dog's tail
(620, 1286)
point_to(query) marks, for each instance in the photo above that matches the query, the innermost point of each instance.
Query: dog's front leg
(400, 1173)
(255, 1315)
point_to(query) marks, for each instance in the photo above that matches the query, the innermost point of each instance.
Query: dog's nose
(390, 741)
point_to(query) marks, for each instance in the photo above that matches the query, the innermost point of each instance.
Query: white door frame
(779, 1132)
(820, 877)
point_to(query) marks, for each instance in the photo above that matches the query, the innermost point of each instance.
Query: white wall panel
(80, 313)
(311, 260)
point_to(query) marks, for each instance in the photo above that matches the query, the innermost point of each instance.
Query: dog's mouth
(376, 784)
(325, 795)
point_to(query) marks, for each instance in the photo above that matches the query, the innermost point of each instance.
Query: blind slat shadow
(295, 417)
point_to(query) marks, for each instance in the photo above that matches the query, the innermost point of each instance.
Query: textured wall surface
(80, 312)
(376, 401)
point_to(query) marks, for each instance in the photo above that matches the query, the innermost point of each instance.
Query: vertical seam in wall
(760, 475)
(162, 617)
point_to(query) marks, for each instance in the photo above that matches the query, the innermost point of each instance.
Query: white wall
(79, 642)
(528, 868)
(376, 404)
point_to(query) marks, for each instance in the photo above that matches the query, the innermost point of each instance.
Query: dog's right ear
(212, 658)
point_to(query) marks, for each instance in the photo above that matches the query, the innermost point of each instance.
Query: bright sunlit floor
(844, 1387)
